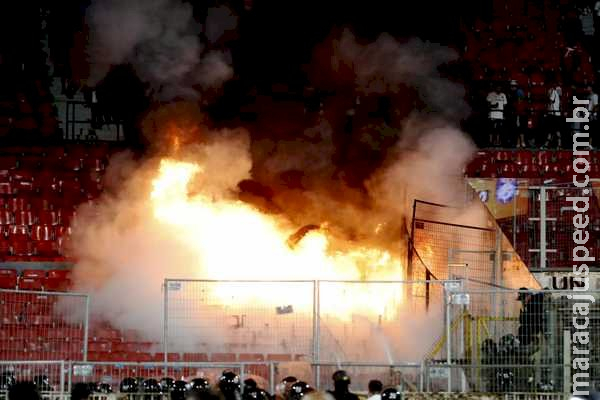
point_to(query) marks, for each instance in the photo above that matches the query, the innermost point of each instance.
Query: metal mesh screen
(114, 373)
(225, 318)
(405, 377)
(519, 219)
(49, 376)
(436, 241)
(515, 341)
(42, 326)
(326, 321)
(376, 321)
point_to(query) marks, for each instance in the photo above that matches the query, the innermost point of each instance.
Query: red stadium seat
(98, 356)
(30, 284)
(5, 217)
(41, 232)
(8, 162)
(48, 217)
(552, 171)
(171, 357)
(18, 232)
(524, 157)
(251, 357)
(23, 218)
(4, 247)
(45, 248)
(6, 188)
(59, 273)
(93, 164)
(509, 171)
(223, 357)
(544, 157)
(8, 278)
(488, 171)
(20, 247)
(56, 284)
(279, 357)
(503, 155)
(18, 204)
(33, 273)
(195, 357)
(99, 347)
(531, 171)
(141, 357)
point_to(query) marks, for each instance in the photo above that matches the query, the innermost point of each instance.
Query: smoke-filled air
(223, 208)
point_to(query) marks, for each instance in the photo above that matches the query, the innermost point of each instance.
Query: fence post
(62, 377)
(421, 376)
(271, 377)
(70, 377)
(447, 299)
(566, 362)
(242, 373)
(316, 334)
(86, 327)
(165, 321)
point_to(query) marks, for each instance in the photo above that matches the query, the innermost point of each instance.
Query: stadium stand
(40, 189)
(536, 45)
(535, 165)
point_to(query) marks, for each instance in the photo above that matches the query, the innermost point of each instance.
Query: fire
(233, 240)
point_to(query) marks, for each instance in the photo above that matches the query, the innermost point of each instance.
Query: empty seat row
(53, 280)
(512, 170)
(49, 218)
(527, 164)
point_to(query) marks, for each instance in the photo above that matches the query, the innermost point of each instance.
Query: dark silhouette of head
(375, 386)
(341, 381)
(23, 391)
(80, 391)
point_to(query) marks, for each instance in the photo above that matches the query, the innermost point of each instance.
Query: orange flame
(233, 240)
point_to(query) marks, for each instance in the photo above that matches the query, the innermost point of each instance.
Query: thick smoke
(425, 164)
(125, 254)
(161, 39)
(388, 66)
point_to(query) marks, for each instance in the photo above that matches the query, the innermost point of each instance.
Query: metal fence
(513, 341)
(537, 219)
(441, 248)
(264, 373)
(59, 377)
(49, 376)
(310, 322)
(43, 325)
(414, 380)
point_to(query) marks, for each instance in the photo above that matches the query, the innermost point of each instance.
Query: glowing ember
(234, 241)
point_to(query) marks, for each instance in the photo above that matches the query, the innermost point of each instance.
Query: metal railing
(313, 321)
(43, 325)
(502, 340)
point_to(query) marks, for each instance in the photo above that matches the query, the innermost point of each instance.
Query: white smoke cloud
(124, 254)
(426, 164)
(161, 40)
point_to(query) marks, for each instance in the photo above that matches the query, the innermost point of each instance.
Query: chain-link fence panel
(115, 374)
(378, 321)
(519, 341)
(435, 240)
(406, 377)
(224, 319)
(43, 325)
(296, 322)
(50, 377)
